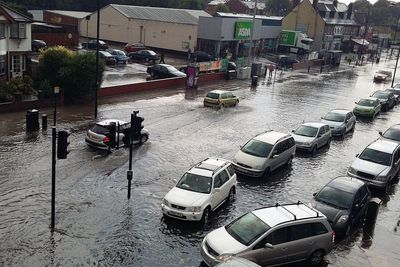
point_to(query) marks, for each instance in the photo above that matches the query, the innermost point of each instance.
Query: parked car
(340, 121)
(286, 62)
(382, 76)
(201, 190)
(311, 136)
(220, 99)
(164, 71)
(396, 93)
(367, 107)
(92, 44)
(119, 55)
(386, 99)
(233, 261)
(144, 55)
(107, 58)
(38, 44)
(134, 47)
(397, 86)
(200, 56)
(265, 153)
(378, 164)
(391, 134)
(274, 235)
(344, 201)
(97, 135)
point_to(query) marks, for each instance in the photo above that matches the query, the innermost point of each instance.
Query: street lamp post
(398, 52)
(252, 34)
(97, 59)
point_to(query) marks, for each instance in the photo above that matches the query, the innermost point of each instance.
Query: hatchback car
(92, 44)
(265, 153)
(97, 135)
(386, 98)
(144, 55)
(200, 56)
(378, 164)
(38, 44)
(164, 71)
(382, 76)
(367, 107)
(119, 55)
(201, 190)
(107, 58)
(311, 136)
(272, 236)
(344, 201)
(391, 134)
(220, 99)
(396, 93)
(340, 121)
(134, 47)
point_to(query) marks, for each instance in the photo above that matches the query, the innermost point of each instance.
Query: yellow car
(220, 99)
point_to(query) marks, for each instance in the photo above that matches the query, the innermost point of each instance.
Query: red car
(134, 47)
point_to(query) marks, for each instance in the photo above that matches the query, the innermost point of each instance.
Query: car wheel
(152, 74)
(328, 143)
(206, 216)
(314, 150)
(222, 106)
(290, 161)
(237, 102)
(347, 233)
(232, 195)
(316, 258)
(353, 127)
(266, 172)
(387, 188)
(343, 134)
(144, 139)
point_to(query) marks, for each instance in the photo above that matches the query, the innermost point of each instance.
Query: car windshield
(366, 102)
(195, 183)
(384, 72)
(257, 148)
(99, 129)
(380, 95)
(121, 53)
(305, 130)
(106, 54)
(150, 52)
(213, 95)
(376, 156)
(332, 116)
(392, 133)
(397, 86)
(171, 69)
(247, 228)
(335, 197)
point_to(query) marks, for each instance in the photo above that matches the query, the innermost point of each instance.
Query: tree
(278, 7)
(222, 8)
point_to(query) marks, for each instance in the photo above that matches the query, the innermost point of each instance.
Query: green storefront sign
(287, 38)
(243, 30)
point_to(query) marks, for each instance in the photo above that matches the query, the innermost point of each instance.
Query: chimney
(314, 4)
(349, 10)
(335, 3)
(295, 3)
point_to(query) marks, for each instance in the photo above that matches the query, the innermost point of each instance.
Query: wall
(55, 18)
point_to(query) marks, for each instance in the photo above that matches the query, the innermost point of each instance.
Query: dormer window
(341, 15)
(332, 14)
(18, 30)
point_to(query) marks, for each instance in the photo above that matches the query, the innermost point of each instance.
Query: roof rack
(278, 205)
(216, 169)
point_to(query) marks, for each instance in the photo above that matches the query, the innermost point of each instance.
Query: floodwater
(97, 226)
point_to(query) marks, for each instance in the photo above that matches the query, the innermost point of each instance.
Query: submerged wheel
(267, 172)
(206, 216)
(232, 195)
(314, 151)
(290, 161)
(144, 138)
(316, 258)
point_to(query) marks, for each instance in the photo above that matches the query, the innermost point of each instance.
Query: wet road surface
(97, 226)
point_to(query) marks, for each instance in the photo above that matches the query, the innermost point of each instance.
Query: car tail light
(106, 139)
(333, 236)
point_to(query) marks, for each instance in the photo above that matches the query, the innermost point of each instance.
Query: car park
(340, 121)
(265, 153)
(119, 55)
(391, 134)
(92, 44)
(164, 71)
(107, 58)
(97, 137)
(134, 47)
(382, 76)
(344, 201)
(378, 164)
(386, 98)
(275, 235)
(367, 107)
(311, 136)
(396, 93)
(38, 44)
(220, 99)
(201, 190)
(200, 56)
(144, 55)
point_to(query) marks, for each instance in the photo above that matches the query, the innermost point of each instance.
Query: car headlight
(352, 170)
(343, 219)
(224, 257)
(165, 202)
(194, 209)
(381, 178)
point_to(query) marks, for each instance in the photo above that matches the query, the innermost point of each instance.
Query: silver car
(391, 134)
(340, 121)
(311, 136)
(378, 164)
(272, 236)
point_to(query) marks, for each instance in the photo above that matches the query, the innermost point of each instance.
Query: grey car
(311, 136)
(378, 165)
(391, 134)
(340, 121)
(344, 201)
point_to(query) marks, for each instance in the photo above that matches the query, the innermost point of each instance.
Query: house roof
(235, 15)
(327, 5)
(340, 21)
(72, 14)
(13, 15)
(171, 15)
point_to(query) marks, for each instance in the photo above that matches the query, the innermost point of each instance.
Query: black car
(38, 44)
(164, 71)
(344, 201)
(396, 92)
(92, 44)
(200, 56)
(144, 55)
(386, 98)
(107, 58)
(393, 133)
(286, 62)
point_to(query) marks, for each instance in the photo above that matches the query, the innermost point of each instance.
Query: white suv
(201, 190)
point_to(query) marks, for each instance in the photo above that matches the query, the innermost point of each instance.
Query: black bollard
(254, 81)
(32, 120)
(370, 220)
(44, 121)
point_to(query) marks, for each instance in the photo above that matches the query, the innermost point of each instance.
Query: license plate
(174, 213)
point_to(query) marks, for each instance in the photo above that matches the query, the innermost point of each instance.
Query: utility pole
(251, 52)
(53, 177)
(97, 59)
(56, 90)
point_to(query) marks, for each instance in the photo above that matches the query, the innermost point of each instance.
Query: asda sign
(243, 30)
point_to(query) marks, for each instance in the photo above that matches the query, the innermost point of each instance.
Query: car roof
(107, 122)
(218, 91)
(395, 126)
(315, 124)
(369, 98)
(340, 111)
(284, 213)
(380, 91)
(271, 137)
(383, 145)
(208, 166)
(346, 183)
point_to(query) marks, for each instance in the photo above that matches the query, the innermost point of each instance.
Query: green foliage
(52, 64)
(383, 12)
(16, 85)
(278, 7)
(222, 8)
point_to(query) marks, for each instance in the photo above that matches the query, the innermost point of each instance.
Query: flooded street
(97, 226)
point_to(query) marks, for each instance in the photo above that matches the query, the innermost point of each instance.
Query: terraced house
(15, 43)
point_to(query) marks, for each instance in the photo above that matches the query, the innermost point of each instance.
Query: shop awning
(361, 41)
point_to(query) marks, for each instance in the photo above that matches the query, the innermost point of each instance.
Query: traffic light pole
(129, 174)
(53, 177)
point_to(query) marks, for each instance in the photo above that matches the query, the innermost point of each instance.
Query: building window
(16, 63)
(2, 31)
(2, 64)
(332, 14)
(18, 30)
(341, 15)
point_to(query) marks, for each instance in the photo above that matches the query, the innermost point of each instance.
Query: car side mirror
(346, 121)
(175, 181)
(380, 133)
(314, 194)
(269, 245)
(322, 117)
(293, 131)
(275, 156)
(319, 135)
(357, 206)
(357, 155)
(355, 103)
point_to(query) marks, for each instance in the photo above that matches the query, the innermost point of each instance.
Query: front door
(17, 66)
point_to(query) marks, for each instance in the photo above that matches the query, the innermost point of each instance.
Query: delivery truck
(294, 42)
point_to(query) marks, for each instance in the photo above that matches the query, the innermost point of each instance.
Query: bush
(16, 85)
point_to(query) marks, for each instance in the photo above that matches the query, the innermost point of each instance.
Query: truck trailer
(294, 42)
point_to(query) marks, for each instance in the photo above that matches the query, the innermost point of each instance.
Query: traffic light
(110, 139)
(62, 144)
(137, 127)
